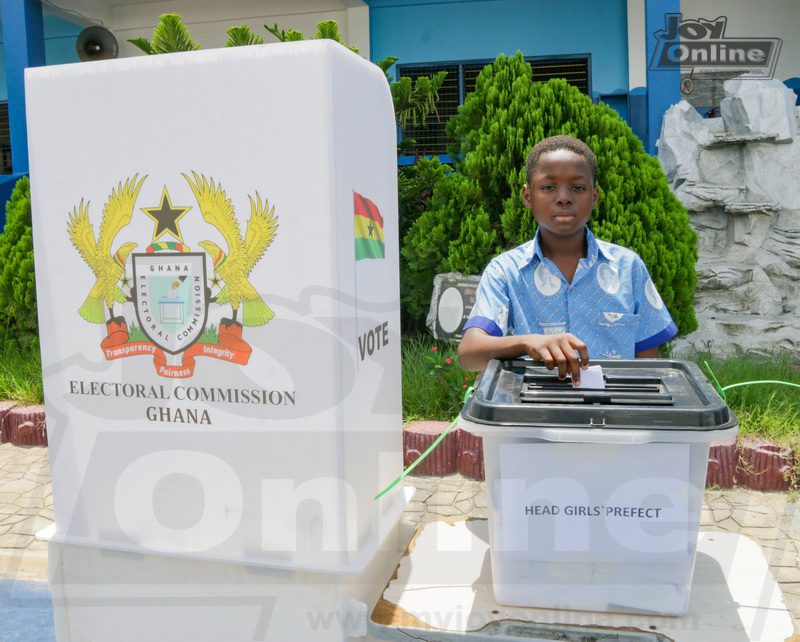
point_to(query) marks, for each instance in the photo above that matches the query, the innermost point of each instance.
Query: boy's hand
(559, 350)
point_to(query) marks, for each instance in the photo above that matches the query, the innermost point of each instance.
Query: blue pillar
(663, 85)
(23, 46)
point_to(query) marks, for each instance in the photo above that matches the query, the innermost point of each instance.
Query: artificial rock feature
(759, 108)
(739, 177)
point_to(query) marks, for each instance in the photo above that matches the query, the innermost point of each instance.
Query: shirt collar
(594, 250)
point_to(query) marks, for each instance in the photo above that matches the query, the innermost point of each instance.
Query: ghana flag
(368, 229)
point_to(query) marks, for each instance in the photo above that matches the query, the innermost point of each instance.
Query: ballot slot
(540, 388)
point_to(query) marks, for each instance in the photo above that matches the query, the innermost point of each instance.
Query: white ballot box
(595, 493)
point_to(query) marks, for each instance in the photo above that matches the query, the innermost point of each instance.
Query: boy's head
(561, 191)
(560, 142)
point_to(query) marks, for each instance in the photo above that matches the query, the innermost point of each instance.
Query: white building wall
(207, 20)
(637, 51)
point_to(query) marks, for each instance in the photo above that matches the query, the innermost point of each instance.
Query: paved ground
(771, 519)
(26, 506)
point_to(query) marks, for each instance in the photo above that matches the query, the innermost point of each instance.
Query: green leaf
(415, 100)
(171, 35)
(242, 36)
(276, 31)
(329, 30)
(143, 44)
(293, 36)
(386, 63)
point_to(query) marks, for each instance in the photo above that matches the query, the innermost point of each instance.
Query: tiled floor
(771, 519)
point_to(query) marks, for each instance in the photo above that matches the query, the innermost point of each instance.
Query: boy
(564, 295)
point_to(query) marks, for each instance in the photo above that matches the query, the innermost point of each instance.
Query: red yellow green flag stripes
(368, 229)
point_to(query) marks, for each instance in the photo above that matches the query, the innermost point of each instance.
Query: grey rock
(739, 177)
(765, 107)
(682, 133)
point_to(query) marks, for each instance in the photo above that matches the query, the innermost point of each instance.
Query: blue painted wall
(417, 31)
(663, 87)
(59, 47)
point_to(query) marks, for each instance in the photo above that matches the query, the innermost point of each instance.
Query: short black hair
(554, 143)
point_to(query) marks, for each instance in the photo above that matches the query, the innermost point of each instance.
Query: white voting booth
(216, 258)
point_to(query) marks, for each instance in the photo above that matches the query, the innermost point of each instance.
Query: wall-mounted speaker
(96, 43)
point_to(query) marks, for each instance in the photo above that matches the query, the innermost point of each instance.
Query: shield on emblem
(171, 298)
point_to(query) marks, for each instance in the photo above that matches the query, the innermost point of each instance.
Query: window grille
(5, 140)
(431, 137)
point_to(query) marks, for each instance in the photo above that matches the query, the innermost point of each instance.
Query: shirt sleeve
(656, 325)
(490, 312)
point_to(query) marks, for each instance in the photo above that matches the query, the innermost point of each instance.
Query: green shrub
(415, 185)
(478, 212)
(433, 382)
(17, 284)
(20, 369)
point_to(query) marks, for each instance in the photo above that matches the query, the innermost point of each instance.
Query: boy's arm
(656, 326)
(477, 347)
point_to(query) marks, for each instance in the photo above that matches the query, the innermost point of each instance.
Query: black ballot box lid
(642, 394)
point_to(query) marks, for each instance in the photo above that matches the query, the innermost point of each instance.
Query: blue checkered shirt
(611, 304)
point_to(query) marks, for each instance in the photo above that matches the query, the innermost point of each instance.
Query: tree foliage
(415, 100)
(477, 211)
(242, 36)
(415, 185)
(170, 36)
(326, 30)
(17, 283)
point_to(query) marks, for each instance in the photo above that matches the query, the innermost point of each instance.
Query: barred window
(430, 137)
(5, 140)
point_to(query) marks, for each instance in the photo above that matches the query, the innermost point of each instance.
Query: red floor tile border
(418, 436)
(722, 461)
(757, 464)
(469, 454)
(25, 426)
(764, 465)
(5, 408)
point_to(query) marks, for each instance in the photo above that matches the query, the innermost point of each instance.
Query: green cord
(749, 383)
(427, 452)
(717, 385)
(722, 389)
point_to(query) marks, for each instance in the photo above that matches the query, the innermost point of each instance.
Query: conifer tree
(493, 132)
(17, 282)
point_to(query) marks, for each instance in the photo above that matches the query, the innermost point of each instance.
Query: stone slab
(442, 591)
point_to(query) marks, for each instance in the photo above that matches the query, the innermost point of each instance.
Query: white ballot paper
(592, 377)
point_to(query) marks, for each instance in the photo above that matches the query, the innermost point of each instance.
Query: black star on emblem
(370, 228)
(125, 281)
(215, 281)
(166, 217)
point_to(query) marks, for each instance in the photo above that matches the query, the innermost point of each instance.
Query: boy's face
(561, 193)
